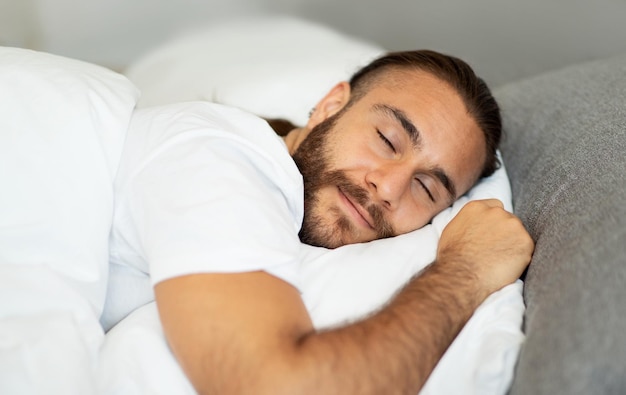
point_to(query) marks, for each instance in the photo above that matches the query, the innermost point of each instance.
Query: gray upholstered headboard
(565, 152)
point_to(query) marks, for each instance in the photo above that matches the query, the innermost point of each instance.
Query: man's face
(389, 162)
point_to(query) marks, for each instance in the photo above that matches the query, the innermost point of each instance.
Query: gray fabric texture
(565, 149)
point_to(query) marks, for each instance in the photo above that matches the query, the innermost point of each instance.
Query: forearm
(395, 350)
(250, 333)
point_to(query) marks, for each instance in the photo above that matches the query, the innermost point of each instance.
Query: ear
(334, 101)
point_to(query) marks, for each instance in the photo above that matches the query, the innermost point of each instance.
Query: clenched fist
(487, 241)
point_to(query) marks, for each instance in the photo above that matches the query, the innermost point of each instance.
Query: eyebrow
(403, 119)
(414, 135)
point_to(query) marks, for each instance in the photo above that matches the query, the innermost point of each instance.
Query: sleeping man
(215, 206)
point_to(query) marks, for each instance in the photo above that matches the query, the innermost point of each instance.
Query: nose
(389, 183)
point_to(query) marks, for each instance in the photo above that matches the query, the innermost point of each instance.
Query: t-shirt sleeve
(210, 204)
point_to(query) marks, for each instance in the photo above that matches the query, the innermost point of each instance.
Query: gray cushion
(565, 150)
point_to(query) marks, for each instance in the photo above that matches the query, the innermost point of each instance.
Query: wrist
(458, 281)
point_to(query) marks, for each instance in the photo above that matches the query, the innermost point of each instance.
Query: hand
(489, 242)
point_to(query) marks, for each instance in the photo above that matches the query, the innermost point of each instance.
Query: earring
(311, 112)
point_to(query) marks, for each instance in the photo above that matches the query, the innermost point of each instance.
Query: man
(212, 202)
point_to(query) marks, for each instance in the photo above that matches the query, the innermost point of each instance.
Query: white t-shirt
(204, 188)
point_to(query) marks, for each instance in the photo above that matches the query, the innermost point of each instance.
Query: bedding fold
(62, 128)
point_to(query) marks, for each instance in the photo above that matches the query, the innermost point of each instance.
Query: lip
(355, 210)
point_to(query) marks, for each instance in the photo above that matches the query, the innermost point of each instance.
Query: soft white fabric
(135, 358)
(202, 188)
(197, 182)
(62, 127)
(272, 66)
(482, 358)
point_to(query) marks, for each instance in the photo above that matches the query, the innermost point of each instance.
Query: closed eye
(386, 141)
(430, 195)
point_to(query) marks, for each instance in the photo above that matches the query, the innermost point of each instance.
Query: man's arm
(250, 332)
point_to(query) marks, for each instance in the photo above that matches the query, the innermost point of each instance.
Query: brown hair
(281, 126)
(459, 75)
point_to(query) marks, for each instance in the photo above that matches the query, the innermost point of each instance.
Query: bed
(67, 327)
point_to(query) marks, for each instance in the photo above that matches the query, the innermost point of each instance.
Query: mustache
(383, 228)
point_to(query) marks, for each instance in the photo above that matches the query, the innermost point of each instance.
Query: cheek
(411, 218)
(350, 154)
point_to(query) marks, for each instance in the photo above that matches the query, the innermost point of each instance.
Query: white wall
(18, 25)
(113, 32)
(503, 39)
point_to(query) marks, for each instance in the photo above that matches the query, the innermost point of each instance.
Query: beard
(312, 158)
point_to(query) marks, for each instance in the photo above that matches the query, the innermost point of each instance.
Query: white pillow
(276, 67)
(62, 127)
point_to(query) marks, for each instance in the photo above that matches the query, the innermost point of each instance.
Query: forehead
(449, 136)
(416, 86)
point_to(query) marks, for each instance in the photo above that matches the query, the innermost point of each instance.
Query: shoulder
(202, 128)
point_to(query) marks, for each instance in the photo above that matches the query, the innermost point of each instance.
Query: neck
(294, 138)
(291, 135)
